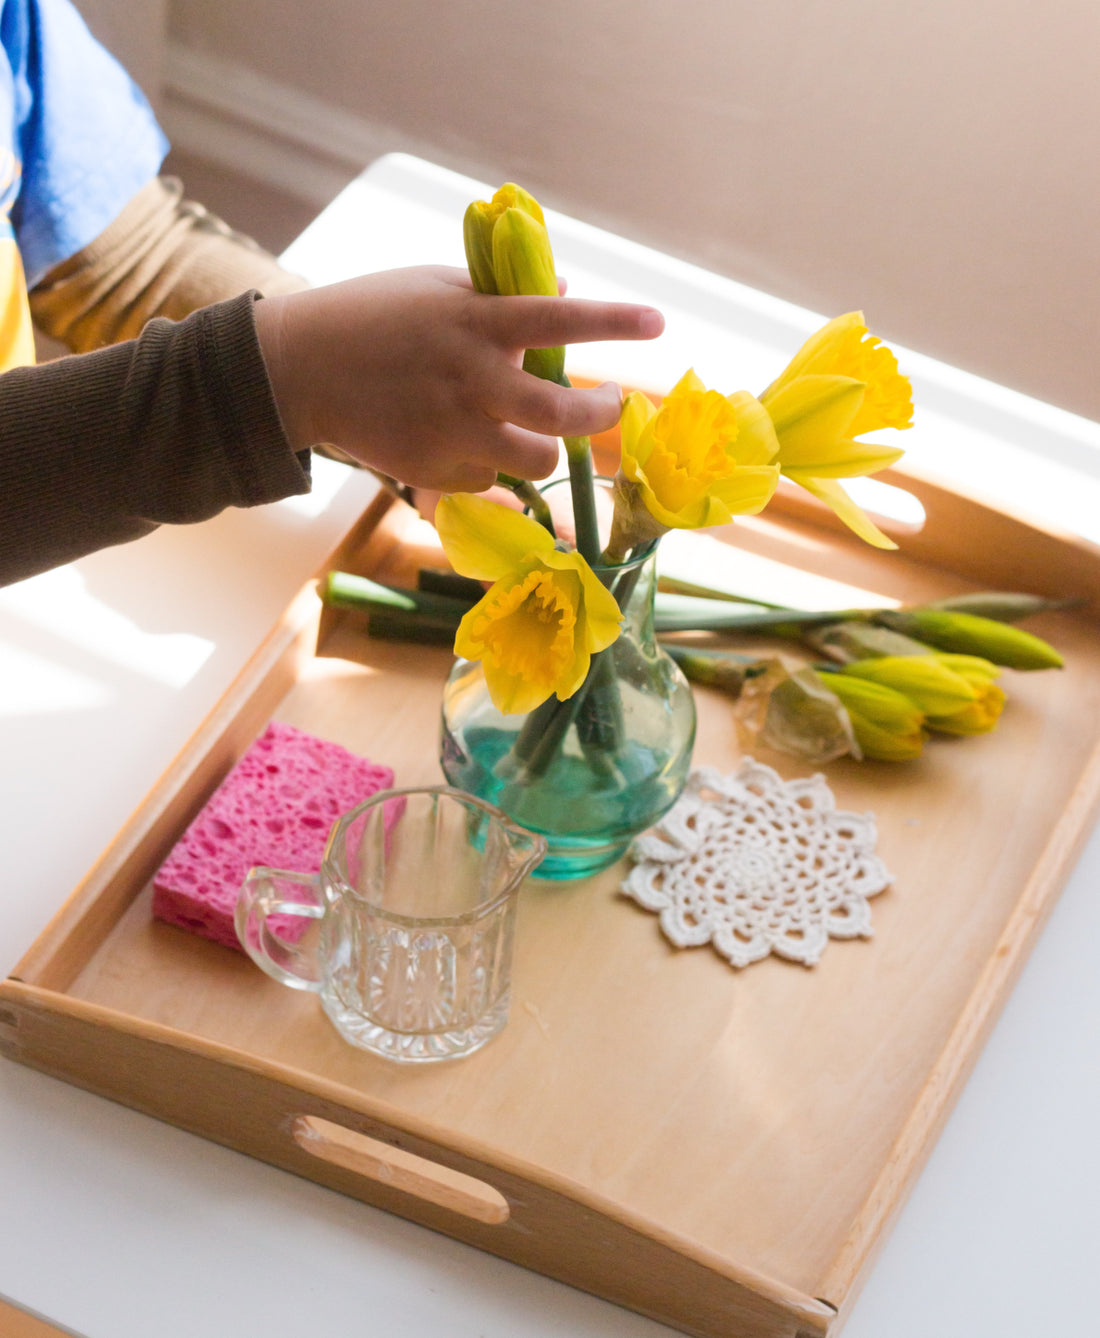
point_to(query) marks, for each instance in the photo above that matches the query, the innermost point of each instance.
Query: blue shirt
(77, 140)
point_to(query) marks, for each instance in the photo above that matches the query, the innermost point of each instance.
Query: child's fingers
(514, 396)
(544, 322)
(516, 450)
(453, 476)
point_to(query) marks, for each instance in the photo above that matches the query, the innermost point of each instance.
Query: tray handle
(402, 1170)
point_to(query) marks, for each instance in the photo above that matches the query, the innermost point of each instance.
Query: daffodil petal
(569, 683)
(511, 196)
(931, 685)
(853, 460)
(973, 667)
(756, 442)
(691, 517)
(816, 350)
(689, 381)
(602, 617)
(833, 495)
(514, 694)
(485, 540)
(638, 410)
(748, 491)
(811, 415)
(523, 263)
(477, 233)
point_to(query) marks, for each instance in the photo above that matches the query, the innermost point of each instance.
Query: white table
(117, 1226)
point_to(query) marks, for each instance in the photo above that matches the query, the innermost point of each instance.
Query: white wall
(932, 162)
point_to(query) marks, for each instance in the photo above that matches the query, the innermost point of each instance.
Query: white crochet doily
(754, 864)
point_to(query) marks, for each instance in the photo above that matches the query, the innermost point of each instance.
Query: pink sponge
(275, 807)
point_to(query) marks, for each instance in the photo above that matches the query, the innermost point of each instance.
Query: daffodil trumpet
(695, 461)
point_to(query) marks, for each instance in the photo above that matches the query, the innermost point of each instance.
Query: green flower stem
(578, 451)
(670, 585)
(531, 498)
(544, 731)
(778, 622)
(600, 719)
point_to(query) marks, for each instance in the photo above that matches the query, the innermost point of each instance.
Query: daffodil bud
(522, 260)
(980, 715)
(477, 234)
(972, 635)
(887, 724)
(932, 687)
(509, 255)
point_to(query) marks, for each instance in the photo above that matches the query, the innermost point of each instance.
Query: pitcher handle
(266, 893)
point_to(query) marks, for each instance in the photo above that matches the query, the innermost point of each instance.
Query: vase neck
(633, 584)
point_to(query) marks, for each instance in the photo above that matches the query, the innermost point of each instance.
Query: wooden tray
(722, 1151)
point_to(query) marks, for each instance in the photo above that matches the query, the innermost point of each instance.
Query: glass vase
(591, 772)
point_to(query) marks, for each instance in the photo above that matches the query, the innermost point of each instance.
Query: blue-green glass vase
(592, 772)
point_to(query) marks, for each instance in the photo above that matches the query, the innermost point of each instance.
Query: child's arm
(411, 371)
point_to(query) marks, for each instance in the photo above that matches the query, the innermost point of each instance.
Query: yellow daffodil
(887, 724)
(508, 253)
(698, 460)
(842, 383)
(980, 715)
(544, 617)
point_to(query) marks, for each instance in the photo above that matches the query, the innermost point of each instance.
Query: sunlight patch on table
(59, 603)
(707, 561)
(34, 685)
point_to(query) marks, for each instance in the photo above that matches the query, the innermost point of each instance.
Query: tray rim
(476, 1158)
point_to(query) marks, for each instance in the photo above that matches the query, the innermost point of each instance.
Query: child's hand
(414, 373)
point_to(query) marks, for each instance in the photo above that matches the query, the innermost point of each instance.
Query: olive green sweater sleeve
(170, 427)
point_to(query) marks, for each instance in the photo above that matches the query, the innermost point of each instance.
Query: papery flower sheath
(543, 618)
(842, 383)
(698, 460)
